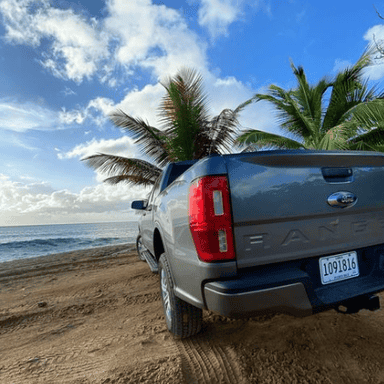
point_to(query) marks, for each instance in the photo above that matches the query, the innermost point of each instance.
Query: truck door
(147, 222)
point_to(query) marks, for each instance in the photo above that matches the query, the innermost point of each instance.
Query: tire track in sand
(64, 364)
(18, 322)
(207, 362)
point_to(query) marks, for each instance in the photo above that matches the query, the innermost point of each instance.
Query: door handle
(337, 175)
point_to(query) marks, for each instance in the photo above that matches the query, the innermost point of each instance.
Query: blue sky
(65, 65)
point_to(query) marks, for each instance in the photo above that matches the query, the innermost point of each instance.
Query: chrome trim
(342, 199)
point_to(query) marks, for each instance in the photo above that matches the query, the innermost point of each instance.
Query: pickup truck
(293, 232)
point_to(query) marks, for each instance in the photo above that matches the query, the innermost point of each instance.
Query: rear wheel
(183, 319)
(140, 248)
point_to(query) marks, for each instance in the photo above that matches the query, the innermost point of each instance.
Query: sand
(95, 316)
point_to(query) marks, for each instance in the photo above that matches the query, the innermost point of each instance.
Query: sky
(66, 65)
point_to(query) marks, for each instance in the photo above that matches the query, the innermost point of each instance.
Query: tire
(140, 248)
(182, 319)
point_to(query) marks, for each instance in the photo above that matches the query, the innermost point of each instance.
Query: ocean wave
(57, 242)
(40, 247)
(35, 241)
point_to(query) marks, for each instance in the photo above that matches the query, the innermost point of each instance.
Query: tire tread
(186, 318)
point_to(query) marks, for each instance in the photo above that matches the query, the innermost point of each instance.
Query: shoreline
(45, 240)
(64, 261)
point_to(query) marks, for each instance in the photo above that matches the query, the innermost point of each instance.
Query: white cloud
(153, 36)
(21, 117)
(375, 35)
(68, 92)
(134, 34)
(71, 117)
(101, 104)
(97, 110)
(125, 146)
(376, 32)
(11, 139)
(19, 24)
(340, 65)
(142, 104)
(77, 44)
(217, 15)
(34, 203)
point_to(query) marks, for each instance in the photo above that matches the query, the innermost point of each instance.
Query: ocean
(38, 240)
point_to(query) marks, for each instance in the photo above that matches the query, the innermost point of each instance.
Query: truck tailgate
(281, 210)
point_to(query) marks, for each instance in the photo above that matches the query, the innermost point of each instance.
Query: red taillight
(210, 218)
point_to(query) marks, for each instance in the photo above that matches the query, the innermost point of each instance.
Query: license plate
(338, 267)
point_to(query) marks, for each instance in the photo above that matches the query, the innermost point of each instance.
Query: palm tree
(351, 118)
(187, 133)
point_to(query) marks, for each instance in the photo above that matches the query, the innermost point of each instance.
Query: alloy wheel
(165, 294)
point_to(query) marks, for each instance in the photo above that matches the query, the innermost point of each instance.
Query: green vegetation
(187, 133)
(335, 114)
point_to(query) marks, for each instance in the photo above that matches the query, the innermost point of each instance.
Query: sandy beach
(95, 316)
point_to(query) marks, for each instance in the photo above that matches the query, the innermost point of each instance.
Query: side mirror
(139, 204)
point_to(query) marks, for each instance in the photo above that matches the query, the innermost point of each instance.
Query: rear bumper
(291, 299)
(293, 287)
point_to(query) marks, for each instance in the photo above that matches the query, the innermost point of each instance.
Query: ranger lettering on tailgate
(264, 240)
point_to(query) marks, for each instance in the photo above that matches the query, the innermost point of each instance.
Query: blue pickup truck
(293, 232)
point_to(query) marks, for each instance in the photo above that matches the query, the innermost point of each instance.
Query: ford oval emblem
(342, 199)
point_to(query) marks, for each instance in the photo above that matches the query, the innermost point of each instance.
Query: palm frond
(261, 139)
(241, 106)
(374, 137)
(222, 128)
(290, 116)
(336, 138)
(348, 90)
(183, 114)
(186, 88)
(117, 165)
(221, 131)
(130, 179)
(152, 139)
(363, 146)
(309, 98)
(369, 114)
(302, 93)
